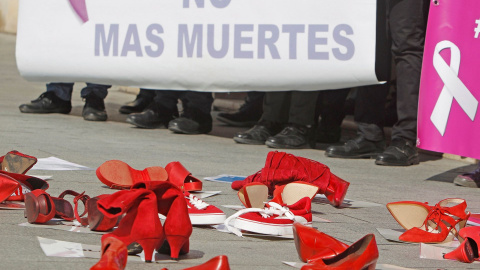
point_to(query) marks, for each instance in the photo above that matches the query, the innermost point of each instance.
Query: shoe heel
(148, 246)
(177, 244)
(371, 266)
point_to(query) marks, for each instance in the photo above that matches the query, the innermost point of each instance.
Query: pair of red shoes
(430, 224)
(323, 252)
(282, 168)
(291, 203)
(117, 174)
(140, 206)
(40, 207)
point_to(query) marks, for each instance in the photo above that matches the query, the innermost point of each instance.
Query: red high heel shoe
(282, 168)
(216, 263)
(114, 255)
(140, 224)
(313, 243)
(182, 178)
(442, 223)
(253, 195)
(172, 204)
(119, 175)
(8, 185)
(40, 207)
(95, 219)
(27, 184)
(409, 214)
(362, 255)
(467, 252)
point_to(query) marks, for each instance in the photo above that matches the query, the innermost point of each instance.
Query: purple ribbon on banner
(80, 8)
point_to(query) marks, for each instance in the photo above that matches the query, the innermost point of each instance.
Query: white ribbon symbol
(453, 87)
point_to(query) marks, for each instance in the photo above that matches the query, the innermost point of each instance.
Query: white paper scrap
(204, 194)
(56, 164)
(56, 248)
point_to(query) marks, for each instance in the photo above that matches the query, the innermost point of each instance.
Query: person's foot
(150, 119)
(47, 102)
(356, 148)
(94, 108)
(247, 116)
(470, 179)
(400, 153)
(258, 134)
(140, 103)
(192, 121)
(292, 136)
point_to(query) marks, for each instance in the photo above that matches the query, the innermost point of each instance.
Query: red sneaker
(274, 219)
(202, 213)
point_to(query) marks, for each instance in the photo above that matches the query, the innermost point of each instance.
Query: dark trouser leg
(166, 100)
(275, 107)
(61, 90)
(302, 107)
(370, 111)
(407, 20)
(147, 93)
(198, 101)
(330, 108)
(99, 90)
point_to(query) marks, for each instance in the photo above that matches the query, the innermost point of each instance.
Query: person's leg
(160, 112)
(274, 116)
(407, 21)
(196, 117)
(299, 132)
(94, 95)
(369, 115)
(57, 99)
(141, 102)
(248, 114)
(330, 108)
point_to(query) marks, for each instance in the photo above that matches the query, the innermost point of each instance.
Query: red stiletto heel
(467, 252)
(140, 224)
(216, 263)
(363, 254)
(442, 223)
(114, 255)
(313, 243)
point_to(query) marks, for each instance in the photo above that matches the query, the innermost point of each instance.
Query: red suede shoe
(114, 255)
(8, 185)
(216, 263)
(27, 184)
(117, 174)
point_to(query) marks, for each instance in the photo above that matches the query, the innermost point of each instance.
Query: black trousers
(295, 107)
(166, 100)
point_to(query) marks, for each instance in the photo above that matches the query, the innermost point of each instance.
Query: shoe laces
(196, 202)
(273, 209)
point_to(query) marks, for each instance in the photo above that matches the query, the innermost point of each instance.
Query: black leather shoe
(47, 102)
(150, 119)
(400, 153)
(140, 103)
(258, 134)
(94, 109)
(356, 148)
(292, 137)
(192, 121)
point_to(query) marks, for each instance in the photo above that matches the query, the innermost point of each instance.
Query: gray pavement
(71, 138)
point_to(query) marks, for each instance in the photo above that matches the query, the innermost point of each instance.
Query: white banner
(206, 45)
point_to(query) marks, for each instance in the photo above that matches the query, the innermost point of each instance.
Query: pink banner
(448, 119)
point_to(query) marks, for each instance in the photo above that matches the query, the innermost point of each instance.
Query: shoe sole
(26, 110)
(92, 117)
(236, 124)
(207, 219)
(364, 156)
(285, 230)
(274, 145)
(130, 121)
(180, 131)
(246, 141)
(118, 174)
(413, 161)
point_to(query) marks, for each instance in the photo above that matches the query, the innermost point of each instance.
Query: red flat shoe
(216, 263)
(313, 243)
(182, 178)
(8, 185)
(16, 162)
(442, 223)
(27, 184)
(409, 214)
(114, 255)
(117, 174)
(362, 255)
(467, 252)
(95, 219)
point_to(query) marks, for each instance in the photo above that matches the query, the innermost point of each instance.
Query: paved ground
(71, 138)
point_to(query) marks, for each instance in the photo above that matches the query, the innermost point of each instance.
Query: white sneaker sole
(266, 228)
(210, 219)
